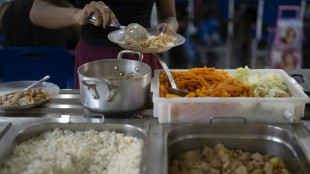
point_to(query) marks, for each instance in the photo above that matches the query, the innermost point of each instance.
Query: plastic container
(248, 109)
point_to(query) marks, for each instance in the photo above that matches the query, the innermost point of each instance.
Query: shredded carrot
(171, 95)
(205, 82)
(191, 94)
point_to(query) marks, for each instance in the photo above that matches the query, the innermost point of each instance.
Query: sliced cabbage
(243, 74)
(268, 85)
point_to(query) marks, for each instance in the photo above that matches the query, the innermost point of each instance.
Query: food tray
(250, 109)
(20, 134)
(164, 142)
(264, 139)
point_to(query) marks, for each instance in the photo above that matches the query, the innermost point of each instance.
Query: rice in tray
(76, 152)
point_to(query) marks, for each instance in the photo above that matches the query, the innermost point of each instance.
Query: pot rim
(115, 60)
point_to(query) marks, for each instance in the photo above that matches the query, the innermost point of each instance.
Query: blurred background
(224, 34)
(239, 32)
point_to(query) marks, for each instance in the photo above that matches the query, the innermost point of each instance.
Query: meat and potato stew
(220, 160)
(29, 96)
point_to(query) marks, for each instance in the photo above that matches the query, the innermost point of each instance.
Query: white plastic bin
(251, 109)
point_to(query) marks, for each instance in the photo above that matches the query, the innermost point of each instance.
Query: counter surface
(68, 102)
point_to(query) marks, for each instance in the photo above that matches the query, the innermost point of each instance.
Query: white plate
(15, 86)
(118, 37)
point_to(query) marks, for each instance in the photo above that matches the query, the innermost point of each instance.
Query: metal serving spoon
(134, 31)
(93, 19)
(173, 89)
(37, 82)
(137, 32)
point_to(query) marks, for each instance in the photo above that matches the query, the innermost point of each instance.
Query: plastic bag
(287, 59)
(286, 52)
(289, 29)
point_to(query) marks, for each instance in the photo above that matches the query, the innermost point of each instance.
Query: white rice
(76, 152)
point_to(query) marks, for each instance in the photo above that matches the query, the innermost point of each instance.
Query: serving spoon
(173, 89)
(134, 31)
(37, 82)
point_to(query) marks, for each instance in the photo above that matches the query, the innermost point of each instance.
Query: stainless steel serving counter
(68, 102)
(67, 105)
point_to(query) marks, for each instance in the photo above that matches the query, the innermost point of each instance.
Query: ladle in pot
(134, 31)
(173, 89)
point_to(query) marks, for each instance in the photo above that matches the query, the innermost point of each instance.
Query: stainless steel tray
(265, 139)
(19, 133)
(163, 142)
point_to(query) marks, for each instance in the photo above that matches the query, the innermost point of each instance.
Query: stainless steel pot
(100, 94)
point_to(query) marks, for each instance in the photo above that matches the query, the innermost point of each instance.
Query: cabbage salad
(268, 85)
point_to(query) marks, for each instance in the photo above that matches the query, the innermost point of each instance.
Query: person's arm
(166, 14)
(48, 14)
(3, 9)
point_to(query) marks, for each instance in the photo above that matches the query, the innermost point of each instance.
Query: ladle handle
(93, 19)
(34, 84)
(167, 71)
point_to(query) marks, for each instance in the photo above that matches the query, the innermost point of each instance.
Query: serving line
(67, 104)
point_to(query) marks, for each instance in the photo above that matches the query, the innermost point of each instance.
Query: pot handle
(90, 83)
(120, 54)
